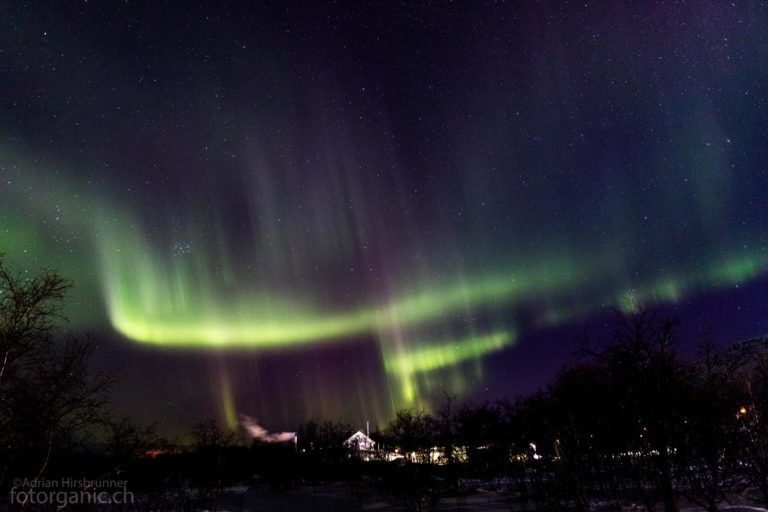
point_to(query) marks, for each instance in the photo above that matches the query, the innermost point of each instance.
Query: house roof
(359, 437)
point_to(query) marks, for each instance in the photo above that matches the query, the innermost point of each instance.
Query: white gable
(360, 441)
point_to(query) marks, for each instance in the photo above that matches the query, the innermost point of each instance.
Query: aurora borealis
(345, 209)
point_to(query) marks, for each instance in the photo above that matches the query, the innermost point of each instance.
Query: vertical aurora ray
(378, 215)
(228, 404)
(178, 297)
(411, 368)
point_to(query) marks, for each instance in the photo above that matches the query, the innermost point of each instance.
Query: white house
(360, 441)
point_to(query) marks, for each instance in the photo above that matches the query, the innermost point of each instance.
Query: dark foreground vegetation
(632, 425)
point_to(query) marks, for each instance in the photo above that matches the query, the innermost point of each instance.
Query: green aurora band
(175, 299)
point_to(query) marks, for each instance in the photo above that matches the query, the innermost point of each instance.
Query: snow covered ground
(341, 497)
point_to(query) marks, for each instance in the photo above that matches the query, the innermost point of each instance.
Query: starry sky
(342, 209)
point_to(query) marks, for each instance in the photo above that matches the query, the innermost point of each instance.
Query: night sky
(342, 210)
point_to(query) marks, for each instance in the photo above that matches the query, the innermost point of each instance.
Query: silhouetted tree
(413, 432)
(446, 428)
(753, 422)
(210, 460)
(648, 381)
(322, 435)
(125, 441)
(579, 407)
(208, 435)
(482, 430)
(322, 450)
(48, 393)
(708, 454)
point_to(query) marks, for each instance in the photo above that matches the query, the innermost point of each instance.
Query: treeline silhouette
(632, 422)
